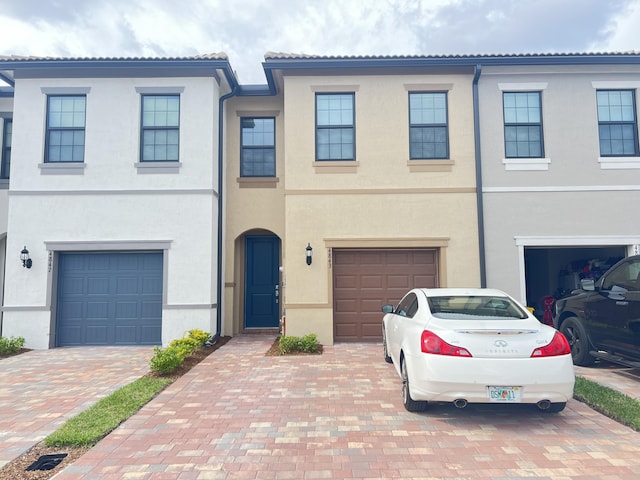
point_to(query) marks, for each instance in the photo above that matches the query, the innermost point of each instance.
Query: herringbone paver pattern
(241, 415)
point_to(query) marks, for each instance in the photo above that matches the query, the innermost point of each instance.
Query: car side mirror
(387, 309)
(588, 284)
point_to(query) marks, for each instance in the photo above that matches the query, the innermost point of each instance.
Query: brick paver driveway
(241, 415)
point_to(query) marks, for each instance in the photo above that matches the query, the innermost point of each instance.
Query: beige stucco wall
(382, 201)
(249, 206)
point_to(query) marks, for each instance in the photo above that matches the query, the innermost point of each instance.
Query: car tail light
(431, 343)
(557, 346)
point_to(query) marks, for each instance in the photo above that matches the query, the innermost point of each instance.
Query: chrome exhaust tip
(460, 403)
(543, 404)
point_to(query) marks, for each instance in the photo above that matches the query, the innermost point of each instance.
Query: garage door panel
(372, 331)
(97, 286)
(371, 281)
(96, 335)
(346, 306)
(364, 280)
(127, 285)
(97, 310)
(102, 296)
(346, 281)
(71, 286)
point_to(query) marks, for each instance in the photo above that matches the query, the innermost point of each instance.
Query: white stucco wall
(111, 203)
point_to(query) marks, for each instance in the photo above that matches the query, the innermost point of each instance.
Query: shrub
(307, 344)
(169, 359)
(186, 346)
(200, 336)
(166, 360)
(11, 345)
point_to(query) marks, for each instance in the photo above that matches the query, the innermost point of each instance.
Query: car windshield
(467, 307)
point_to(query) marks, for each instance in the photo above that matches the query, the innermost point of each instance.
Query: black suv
(602, 319)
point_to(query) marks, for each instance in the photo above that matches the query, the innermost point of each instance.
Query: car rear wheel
(578, 341)
(409, 403)
(555, 407)
(387, 358)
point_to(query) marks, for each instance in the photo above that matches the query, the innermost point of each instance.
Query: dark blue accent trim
(479, 199)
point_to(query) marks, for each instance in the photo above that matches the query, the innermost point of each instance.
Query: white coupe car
(475, 345)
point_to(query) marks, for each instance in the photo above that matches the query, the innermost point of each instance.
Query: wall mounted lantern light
(24, 256)
(309, 250)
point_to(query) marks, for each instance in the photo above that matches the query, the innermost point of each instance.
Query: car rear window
(466, 307)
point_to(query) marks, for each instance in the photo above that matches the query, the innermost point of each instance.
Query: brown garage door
(364, 280)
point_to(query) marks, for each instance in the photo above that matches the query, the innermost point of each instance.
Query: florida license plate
(505, 394)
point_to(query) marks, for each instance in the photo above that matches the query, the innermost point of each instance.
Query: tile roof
(23, 58)
(304, 56)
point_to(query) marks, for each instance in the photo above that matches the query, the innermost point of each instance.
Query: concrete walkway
(241, 415)
(41, 389)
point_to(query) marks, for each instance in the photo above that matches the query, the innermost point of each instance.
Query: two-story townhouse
(113, 216)
(353, 182)
(560, 170)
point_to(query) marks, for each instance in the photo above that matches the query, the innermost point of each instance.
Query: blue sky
(246, 29)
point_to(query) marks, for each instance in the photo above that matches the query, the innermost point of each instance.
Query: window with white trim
(617, 123)
(523, 125)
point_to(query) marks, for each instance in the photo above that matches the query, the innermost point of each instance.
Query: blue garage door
(109, 299)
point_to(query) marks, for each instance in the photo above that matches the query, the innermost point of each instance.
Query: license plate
(505, 394)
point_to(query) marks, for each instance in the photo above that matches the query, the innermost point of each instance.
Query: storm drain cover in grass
(47, 462)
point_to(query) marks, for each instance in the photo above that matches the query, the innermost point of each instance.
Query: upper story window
(428, 125)
(523, 125)
(160, 132)
(258, 147)
(335, 129)
(65, 128)
(7, 131)
(617, 123)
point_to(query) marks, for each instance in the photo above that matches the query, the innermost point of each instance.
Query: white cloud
(623, 31)
(246, 29)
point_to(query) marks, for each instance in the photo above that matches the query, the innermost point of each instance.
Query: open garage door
(556, 271)
(364, 280)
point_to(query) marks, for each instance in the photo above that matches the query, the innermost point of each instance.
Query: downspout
(479, 201)
(220, 209)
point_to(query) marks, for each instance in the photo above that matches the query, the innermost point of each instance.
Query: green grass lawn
(611, 403)
(88, 427)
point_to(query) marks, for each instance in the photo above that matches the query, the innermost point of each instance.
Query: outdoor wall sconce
(309, 250)
(24, 256)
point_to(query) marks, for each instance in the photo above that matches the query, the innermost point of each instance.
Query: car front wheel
(578, 341)
(409, 403)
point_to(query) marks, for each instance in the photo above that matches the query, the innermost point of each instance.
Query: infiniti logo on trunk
(500, 343)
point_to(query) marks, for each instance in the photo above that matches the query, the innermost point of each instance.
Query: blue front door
(262, 294)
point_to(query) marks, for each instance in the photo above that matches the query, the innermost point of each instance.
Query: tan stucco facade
(381, 200)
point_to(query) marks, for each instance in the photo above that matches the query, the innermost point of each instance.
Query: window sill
(341, 166)
(158, 167)
(62, 168)
(436, 165)
(257, 182)
(526, 164)
(618, 163)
